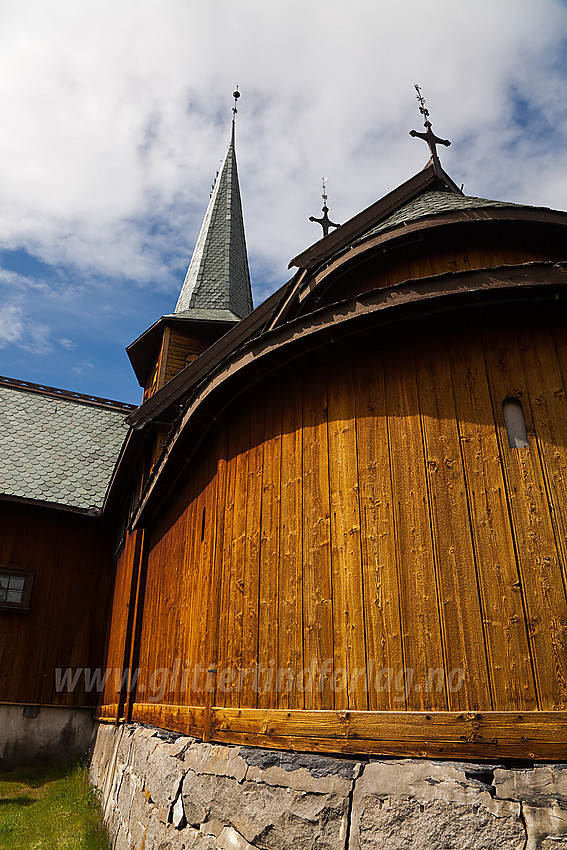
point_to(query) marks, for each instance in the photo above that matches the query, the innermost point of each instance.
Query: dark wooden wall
(463, 247)
(66, 626)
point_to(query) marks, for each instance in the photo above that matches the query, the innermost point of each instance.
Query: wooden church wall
(450, 250)
(364, 524)
(118, 654)
(65, 628)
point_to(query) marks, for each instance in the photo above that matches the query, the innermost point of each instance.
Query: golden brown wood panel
(317, 579)
(379, 557)
(226, 510)
(180, 347)
(508, 652)
(181, 718)
(290, 568)
(350, 675)
(369, 513)
(186, 561)
(251, 558)
(214, 532)
(421, 631)
(539, 736)
(461, 615)
(238, 602)
(548, 399)
(540, 572)
(445, 254)
(268, 631)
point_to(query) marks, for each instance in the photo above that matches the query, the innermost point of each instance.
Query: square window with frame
(15, 589)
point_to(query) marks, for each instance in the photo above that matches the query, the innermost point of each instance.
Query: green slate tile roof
(218, 277)
(56, 449)
(430, 204)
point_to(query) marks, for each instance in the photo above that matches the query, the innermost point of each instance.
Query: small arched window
(515, 423)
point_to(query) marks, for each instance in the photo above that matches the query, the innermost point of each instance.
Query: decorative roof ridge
(430, 176)
(451, 203)
(67, 395)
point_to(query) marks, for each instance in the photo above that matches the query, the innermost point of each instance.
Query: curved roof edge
(255, 356)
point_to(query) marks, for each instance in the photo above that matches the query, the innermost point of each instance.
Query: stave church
(327, 553)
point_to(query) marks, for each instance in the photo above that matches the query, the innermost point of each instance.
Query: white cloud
(83, 366)
(11, 324)
(115, 117)
(16, 328)
(68, 344)
(116, 112)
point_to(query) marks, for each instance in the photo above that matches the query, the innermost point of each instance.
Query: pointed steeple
(216, 293)
(218, 279)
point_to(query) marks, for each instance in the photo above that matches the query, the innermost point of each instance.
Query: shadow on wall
(30, 734)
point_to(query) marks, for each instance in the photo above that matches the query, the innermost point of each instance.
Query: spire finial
(324, 221)
(429, 136)
(236, 95)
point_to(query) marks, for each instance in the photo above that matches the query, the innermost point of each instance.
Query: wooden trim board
(528, 735)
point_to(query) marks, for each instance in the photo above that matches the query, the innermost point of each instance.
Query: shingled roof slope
(430, 204)
(56, 449)
(218, 277)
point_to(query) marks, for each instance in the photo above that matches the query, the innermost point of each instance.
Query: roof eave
(143, 351)
(54, 506)
(192, 374)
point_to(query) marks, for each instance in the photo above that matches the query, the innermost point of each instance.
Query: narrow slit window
(515, 423)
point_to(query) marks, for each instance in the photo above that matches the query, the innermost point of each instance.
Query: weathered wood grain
(508, 652)
(536, 548)
(350, 674)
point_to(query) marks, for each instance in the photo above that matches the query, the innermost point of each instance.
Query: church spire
(218, 279)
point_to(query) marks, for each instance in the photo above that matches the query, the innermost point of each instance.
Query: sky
(115, 116)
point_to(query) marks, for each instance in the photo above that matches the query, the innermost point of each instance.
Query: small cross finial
(429, 136)
(324, 221)
(236, 95)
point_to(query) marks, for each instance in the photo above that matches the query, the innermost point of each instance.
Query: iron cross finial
(324, 221)
(429, 136)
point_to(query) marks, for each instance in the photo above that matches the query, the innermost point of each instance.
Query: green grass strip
(50, 808)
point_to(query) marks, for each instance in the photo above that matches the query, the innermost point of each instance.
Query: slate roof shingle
(218, 277)
(57, 450)
(430, 204)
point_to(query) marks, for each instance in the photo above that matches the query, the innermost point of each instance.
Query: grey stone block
(436, 825)
(164, 773)
(544, 823)
(216, 760)
(162, 837)
(317, 766)
(265, 815)
(539, 785)
(421, 782)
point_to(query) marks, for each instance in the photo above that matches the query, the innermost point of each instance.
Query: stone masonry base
(162, 791)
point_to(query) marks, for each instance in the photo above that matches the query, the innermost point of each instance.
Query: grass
(50, 808)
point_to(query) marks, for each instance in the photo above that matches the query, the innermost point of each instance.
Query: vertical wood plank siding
(359, 536)
(66, 625)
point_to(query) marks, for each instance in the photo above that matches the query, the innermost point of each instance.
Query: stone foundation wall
(160, 790)
(29, 734)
